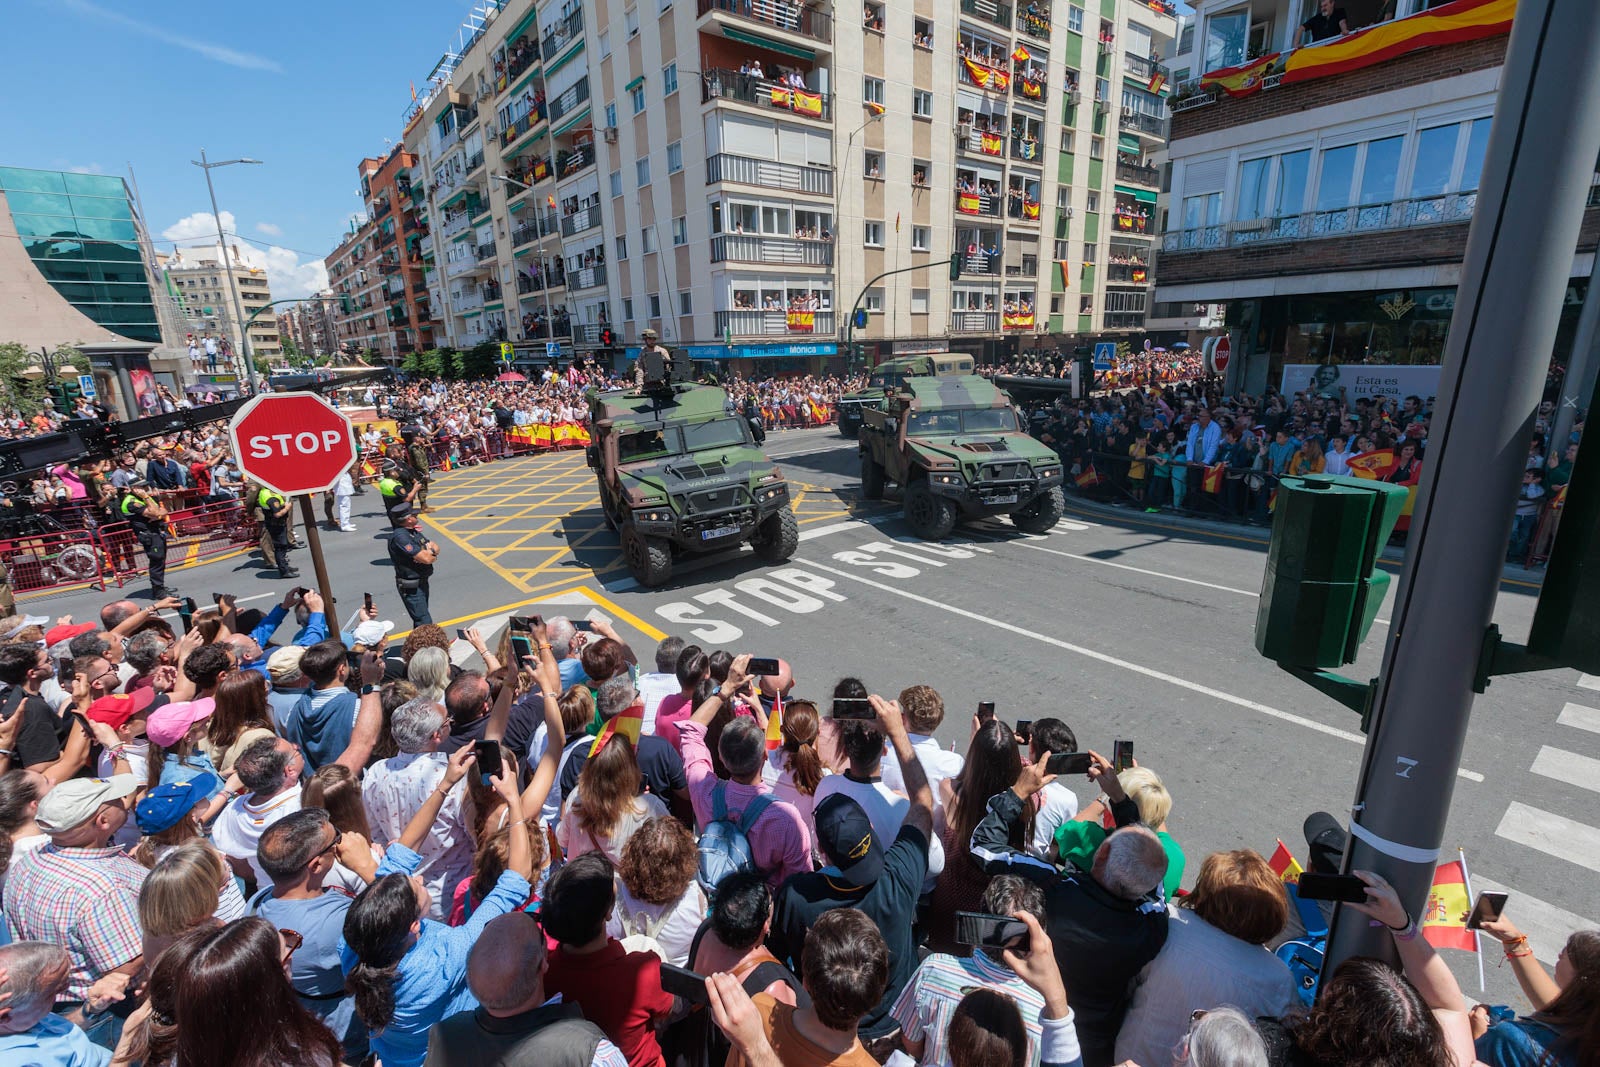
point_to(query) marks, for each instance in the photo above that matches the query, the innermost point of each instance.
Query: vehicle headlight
(946, 479)
(1049, 472)
(655, 516)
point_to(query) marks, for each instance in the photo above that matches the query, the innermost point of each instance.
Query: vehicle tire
(930, 517)
(871, 478)
(649, 559)
(77, 563)
(1042, 513)
(778, 536)
(849, 431)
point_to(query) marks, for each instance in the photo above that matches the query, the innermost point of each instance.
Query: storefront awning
(1129, 144)
(768, 43)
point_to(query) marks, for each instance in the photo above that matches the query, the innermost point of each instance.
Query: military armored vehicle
(679, 474)
(888, 375)
(954, 447)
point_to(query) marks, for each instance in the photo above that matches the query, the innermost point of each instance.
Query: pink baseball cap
(168, 723)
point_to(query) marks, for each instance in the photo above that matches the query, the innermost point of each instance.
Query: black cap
(1326, 840)
(847, 839)
(401, 512)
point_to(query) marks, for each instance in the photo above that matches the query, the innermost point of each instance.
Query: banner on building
(1359, 380)
(967, 203)
(996, 81)
(1241, 80)
(992, 144)
(809, 104)
(1017, 320)
(1454, 23)
(802, 321)
(1030, 209)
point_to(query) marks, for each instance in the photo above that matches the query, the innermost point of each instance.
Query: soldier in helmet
(417, 455)
(654, 364)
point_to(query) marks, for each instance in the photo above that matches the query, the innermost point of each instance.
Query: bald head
(1131, 862)
(116, 613)
(505, 969)
(774, 684)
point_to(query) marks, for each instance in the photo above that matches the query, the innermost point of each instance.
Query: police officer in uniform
(654, 363)
(417, 454)
(413, 556)
(138, 507)
(275, 520)
(395, 492)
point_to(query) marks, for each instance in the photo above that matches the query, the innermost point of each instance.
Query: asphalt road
(1124, 625)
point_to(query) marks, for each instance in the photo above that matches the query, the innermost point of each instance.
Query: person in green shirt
(1076, 841)
(1561, 469)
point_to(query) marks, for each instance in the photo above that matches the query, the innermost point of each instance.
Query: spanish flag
(550, 201)
(876, 109)
(1032, 89)
(1372, 464)
(1030, 209)
(1444, 920)
(991, 144)
(1211, 482)
(629, 724)
(1087, 477)
(1021, 55)
(1066, 272)
(802, 321)
(805, 103)
(1560, 499)
(819, 413)
(775, 725)
(1284, 865)
(1464, 20)
(1243, 79)
(967, 203)
(1157, 81)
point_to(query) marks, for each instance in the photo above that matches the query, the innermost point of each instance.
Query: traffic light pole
(850, 324)
(1536, 180)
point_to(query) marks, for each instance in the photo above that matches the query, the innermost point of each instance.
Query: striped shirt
(928, 1001)
(84, 899)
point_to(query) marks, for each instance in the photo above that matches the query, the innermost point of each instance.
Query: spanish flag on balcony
(996, 81)
(1030, 209)
(992, 143)
(809, 104)
(1032, 89)
(876, 109)
(1021, 55)
(1138, 274)
(802, 321)
(1017, 320)
(1243, 79)
(1066, 272)
(779, 97)
(967, 203)
(1157, 81)
(1464, 20)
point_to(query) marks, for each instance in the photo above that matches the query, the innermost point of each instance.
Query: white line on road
(1579, 717)
(1589, 681)
(1183, 683)
(1554, 835)
(1569, 767)
(1546, 925)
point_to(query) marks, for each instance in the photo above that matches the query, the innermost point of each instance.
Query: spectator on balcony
(1327, 23)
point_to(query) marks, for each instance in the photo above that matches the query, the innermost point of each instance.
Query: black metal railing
(562, 33)
(570, 100)
(1138, 173)
(719, 84)
(999, 14)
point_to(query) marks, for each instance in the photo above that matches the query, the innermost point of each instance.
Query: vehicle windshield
(719, 433)
(969, 420)
(643, 444)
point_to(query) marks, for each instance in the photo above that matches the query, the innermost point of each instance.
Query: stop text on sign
(305, 443)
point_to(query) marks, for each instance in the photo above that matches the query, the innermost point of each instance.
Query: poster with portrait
(1360, 380)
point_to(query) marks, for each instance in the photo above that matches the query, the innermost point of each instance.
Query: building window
(605, 43)
(627, 309)
(873, 300)
(919, 238)
(622, 247)
(1091, 202)
(1063, 196)
(871, 164)
(655, 305)
(1063, 250)
(1055, 304)
(680, 230)
(611, 114)
(1074, 18)
(872, 91)
(920, 169)
(616, 183)
(630, 20)
(641, 172)
(922, 103)
(922, 34)
(669, 79)
(636, 94)
(872, 234)
(1066, 139)
(872, 19)
(648, 238)
(1097, 148)
(1086, 304)
(1088, 253)
(685, 303)
(674, 157)
(919, 301)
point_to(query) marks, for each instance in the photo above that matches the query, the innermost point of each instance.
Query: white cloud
(217, 52)
(288, 275)
(92, 168)
(270, 229)
(201, 224)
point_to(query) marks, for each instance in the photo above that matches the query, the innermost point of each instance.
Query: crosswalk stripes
(1569, 767)
(1580, 717)
(1554, 835)
(1588, 681)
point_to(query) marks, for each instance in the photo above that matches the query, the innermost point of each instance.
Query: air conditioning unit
(1069, 211)
(610, 134)
(964, 130)
(1128, 112)
(489, 129)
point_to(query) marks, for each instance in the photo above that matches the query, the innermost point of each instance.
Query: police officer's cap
(400, 512)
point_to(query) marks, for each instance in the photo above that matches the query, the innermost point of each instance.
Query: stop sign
(292, 442)
(1221, 354)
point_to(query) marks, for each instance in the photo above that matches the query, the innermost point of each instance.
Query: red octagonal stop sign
(292, 442)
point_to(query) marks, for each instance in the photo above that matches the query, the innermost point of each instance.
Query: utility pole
(227, 267)
(1536, 178)
(1577, 385)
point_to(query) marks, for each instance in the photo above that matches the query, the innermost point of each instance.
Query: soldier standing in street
(138, 507)
(417, 453)
(413, 556)
(275, 520)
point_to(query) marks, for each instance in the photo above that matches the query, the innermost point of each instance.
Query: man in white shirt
(923, 709)
(1058, 804)
(270, 769)
(662, 682)
(1337, 457)
(395, 788)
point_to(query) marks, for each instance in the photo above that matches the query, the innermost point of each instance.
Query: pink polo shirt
(780, 841)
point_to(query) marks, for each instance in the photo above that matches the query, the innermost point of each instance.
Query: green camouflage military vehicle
(888, 375)
(678, 475)
(954, 448)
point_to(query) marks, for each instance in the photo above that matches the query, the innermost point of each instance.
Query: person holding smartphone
(1560, 1029)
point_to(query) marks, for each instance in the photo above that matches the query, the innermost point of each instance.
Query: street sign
(86, 385)
(552, 350)
(1221, 354)
(292, 443)
(1104, 353)
(507, 352)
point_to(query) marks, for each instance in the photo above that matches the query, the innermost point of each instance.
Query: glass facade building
(81, 233)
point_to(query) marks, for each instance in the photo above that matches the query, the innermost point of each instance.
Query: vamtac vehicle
(888, 375)
(954, 447)
(678, 474)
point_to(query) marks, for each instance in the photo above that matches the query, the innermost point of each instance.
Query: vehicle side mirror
(591, 455)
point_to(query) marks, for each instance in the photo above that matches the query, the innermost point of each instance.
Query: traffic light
(955, 266)
(606, 337)
(1322, 588)
(345, 306)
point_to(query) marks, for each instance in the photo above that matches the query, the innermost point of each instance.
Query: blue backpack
(1303, 955)
(725, 844)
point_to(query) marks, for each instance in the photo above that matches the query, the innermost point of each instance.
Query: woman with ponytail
(794, 769)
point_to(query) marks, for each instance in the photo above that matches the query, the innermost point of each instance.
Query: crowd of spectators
(219, 850)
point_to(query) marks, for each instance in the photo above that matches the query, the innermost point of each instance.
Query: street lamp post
(843, 168)
(222, 245)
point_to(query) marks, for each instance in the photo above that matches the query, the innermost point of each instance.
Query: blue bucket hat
(166, 804)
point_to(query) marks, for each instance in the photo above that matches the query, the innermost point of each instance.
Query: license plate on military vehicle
(720, 531)
(1005, 498)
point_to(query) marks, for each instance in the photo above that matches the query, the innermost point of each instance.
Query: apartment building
(204, 280)
(312, 325)
(734, 173)
(1323, 190)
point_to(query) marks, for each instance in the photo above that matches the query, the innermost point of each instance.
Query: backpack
(641, 933)
(724, 844)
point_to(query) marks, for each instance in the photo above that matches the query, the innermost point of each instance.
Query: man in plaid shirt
(79, 891)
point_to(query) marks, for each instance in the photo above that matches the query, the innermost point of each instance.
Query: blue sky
(307, 87)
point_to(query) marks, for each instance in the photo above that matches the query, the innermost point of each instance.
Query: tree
(291, 351)
(479, 361)
(429, 364)
(23, 393)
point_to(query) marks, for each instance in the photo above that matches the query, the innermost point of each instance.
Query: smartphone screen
(990, 931)
(519, 623)
(488, 753)
(583, 624)
(853, 708)
(1068, 763)
(682, 982)
(1122, 756)
(462, 634)
(521, 646)
(366, 600)
(764, 667)
(985, 711)
(1025, 730)
(1490, 906)
(1346, 888)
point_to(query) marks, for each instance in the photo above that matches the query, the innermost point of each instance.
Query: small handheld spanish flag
(1284, 865)
(550, 201)
(775, 725)
(630, 724)
(876, 109)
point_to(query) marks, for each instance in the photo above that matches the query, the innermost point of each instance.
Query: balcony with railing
(380, 208)
(587, 277)
(981, 260)
(521, 54)
(1137, 122)
(461, 265)
(1130, 217)
(579, 221)
(775, 14)
(486, 252)
(1312, 225)
(973, 201)
(747, 170)
(425, 244)
(474, 161)
(989, 11)
(571, 162)
(1034, 20)
(515, 129)
(430, 278)
(491, 292)
(571, 100)
(1028, 149)
(454, 224)
(395, 286)
(464, 300)
(1029, 80)
(753, 322)
(543, 331)
(982, 142)
(1127, 273)
(562, 34)
(526, 233)
(717, 84)
(990, 73)
(1144, 68)
(755, 248)
(974, 321)
(1138, 174)
(1023, 206)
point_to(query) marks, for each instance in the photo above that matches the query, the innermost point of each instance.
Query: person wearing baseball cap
(67, 631)
(118, 722)
(288, 684)
(168, 804)
(79, 891)
(176, 730)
